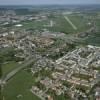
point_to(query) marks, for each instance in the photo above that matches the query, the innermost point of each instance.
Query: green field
(9, 61)
(97, 22)
(59, 24)
(20, 84)
(35, 24)
(80, 22)
(93, 39)
(9, 66)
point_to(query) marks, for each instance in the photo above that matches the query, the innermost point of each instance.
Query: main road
(27, 62)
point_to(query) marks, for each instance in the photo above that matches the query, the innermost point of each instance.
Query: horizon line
(44, 4)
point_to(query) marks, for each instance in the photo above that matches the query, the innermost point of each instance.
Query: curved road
(13, 72)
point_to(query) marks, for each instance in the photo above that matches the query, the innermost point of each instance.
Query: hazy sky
(17, 2)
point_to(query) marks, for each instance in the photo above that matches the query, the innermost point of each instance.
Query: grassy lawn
(6, 68)
(20, 84)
